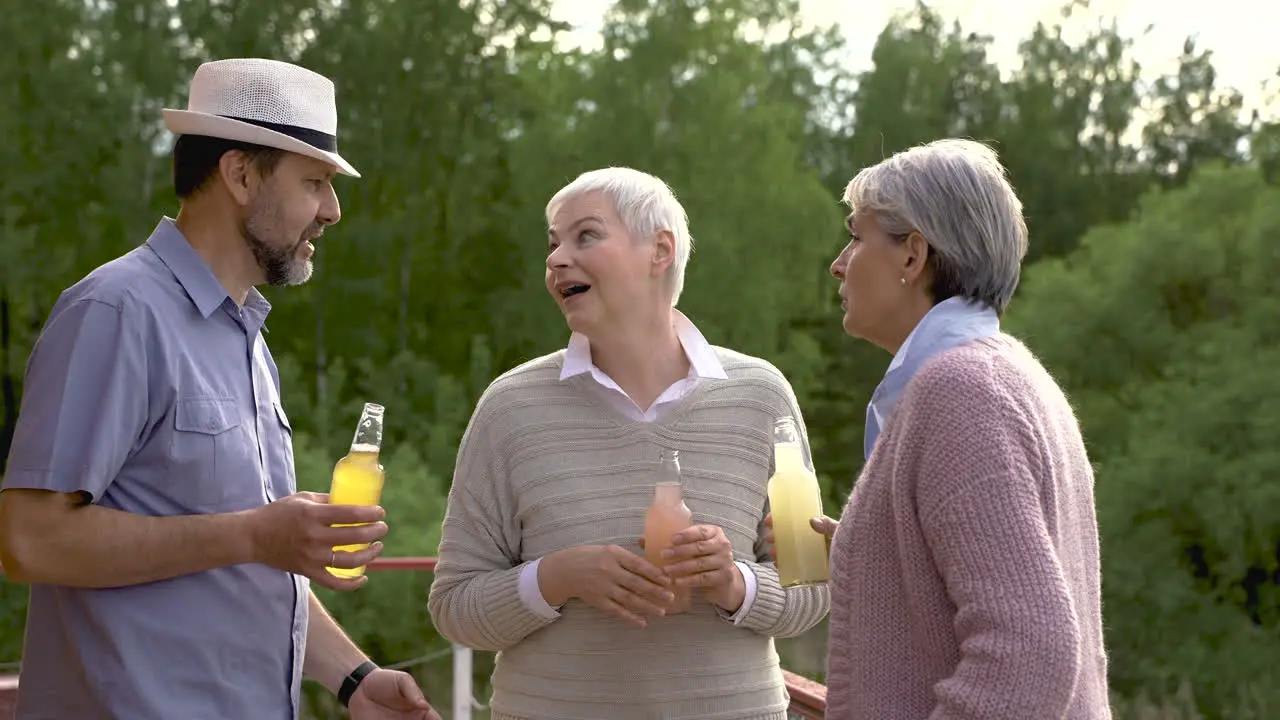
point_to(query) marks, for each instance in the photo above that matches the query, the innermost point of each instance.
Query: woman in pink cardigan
(965, 566)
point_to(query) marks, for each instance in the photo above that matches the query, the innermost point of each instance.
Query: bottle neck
(668, 493)
(784, 431)
(364, 453)
(368, 437)
(789, 456)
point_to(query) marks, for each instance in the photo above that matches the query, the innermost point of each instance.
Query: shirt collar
(955, 317)
(195, 276)
(703, 362)
(951, 322)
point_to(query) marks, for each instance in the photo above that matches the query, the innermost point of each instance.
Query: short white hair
(957, 195)
(645, 204)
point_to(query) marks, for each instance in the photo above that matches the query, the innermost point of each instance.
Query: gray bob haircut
(645, 204)
(957, 195)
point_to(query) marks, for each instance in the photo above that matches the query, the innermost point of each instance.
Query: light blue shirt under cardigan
(950, 323)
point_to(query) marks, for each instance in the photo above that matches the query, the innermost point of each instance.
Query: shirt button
(213, 423)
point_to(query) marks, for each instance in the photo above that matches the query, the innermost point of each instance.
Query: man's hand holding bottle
(298, 534)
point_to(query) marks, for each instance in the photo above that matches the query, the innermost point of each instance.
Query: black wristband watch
(352, 681)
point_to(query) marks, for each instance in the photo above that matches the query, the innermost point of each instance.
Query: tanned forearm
(331, 655)
(54, 538)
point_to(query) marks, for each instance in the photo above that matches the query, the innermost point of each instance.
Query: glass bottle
(358, 477)
(667, 515)
(794, 499)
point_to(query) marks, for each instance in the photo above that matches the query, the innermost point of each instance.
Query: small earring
(904, 280)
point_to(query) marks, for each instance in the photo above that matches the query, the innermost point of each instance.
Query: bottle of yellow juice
(794, 499)
(358, 477)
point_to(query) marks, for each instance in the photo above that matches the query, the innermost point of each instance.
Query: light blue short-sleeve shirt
(152, 392)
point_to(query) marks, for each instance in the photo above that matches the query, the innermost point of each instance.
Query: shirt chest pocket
(213, 457)
(278, 446)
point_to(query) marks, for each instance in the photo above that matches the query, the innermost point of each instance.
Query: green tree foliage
(1150, 288)
(1163, 329)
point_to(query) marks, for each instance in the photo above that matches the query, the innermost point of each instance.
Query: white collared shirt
(703, 364)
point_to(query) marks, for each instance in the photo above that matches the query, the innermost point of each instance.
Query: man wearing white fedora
(150, 498)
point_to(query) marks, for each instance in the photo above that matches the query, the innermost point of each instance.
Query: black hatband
(314, 138)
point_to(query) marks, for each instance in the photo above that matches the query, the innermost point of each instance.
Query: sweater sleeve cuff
(531, 593)
(769, 602)
(505, 615)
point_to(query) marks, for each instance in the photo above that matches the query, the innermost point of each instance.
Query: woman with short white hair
(540, 557)
(965, 567)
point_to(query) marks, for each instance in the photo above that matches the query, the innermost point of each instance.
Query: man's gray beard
(280, 265)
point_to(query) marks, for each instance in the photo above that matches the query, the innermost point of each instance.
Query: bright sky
(1244, 35)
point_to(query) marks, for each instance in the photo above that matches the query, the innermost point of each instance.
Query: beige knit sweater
(545, 465)
(965, 571)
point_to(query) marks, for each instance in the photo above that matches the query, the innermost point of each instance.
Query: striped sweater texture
(545, 465)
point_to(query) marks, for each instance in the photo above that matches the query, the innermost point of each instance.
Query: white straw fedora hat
(265, 102)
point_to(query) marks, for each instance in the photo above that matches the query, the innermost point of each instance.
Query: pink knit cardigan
(965, 570)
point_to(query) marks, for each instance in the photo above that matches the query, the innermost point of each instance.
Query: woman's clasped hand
(702, 557)
(624, 584)
(609, 578)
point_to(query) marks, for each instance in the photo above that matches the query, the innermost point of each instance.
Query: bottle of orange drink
(667, 515)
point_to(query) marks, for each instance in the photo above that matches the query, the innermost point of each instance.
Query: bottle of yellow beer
(358, 477)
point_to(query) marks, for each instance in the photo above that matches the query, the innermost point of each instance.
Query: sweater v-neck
(579, 384)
